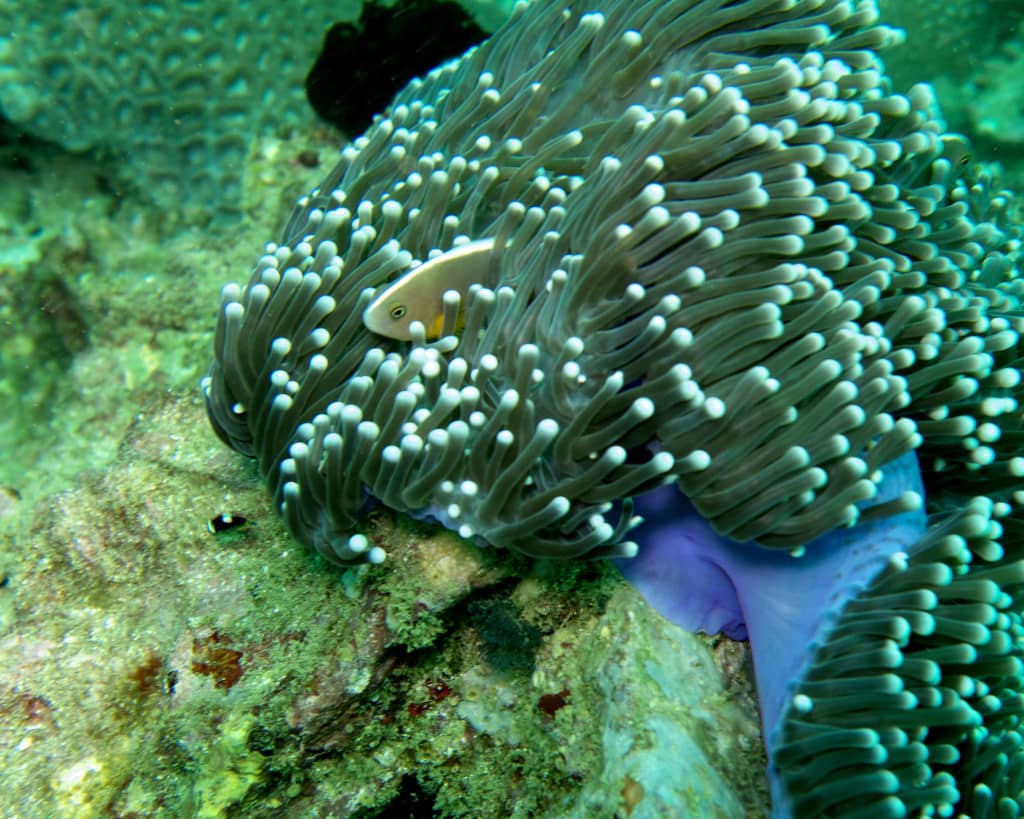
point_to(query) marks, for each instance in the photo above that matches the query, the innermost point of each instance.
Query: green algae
(231, 769)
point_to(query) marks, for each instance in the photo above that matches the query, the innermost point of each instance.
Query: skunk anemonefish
(418, 295)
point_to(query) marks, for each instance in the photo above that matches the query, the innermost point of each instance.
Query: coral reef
(152, 668)
(85, 294)
(175, 91)
(714, 249)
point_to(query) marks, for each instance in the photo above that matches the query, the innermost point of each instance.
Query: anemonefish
(957, 150)
(418, 295)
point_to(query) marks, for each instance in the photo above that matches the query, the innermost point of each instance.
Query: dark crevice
(363, 64)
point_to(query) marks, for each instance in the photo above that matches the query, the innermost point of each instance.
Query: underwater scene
(556, 409)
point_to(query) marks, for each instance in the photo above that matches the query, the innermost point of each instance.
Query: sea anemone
(715, 251)
(887, 656)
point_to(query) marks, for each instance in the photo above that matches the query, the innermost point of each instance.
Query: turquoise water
(149, 667)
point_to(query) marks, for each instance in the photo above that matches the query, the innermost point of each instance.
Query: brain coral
(721, 254)
(175, 90)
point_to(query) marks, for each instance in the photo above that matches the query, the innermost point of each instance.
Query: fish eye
(397, 311)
